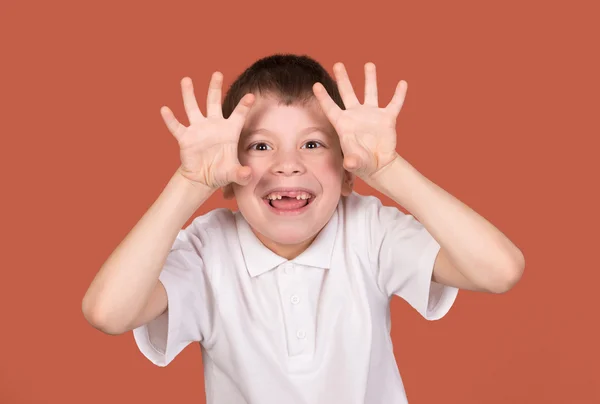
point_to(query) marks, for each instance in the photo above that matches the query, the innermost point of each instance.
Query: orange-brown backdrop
(501, 112)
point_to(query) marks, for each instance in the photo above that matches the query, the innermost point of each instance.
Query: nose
(288, 164)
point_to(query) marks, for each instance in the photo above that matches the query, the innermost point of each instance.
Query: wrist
(190, 189)
(394, 179)
(193, 185)
(380, 178)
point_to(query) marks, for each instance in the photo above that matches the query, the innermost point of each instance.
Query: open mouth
(289, 201)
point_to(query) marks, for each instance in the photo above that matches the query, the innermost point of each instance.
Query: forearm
(482, 253)
(126, 280)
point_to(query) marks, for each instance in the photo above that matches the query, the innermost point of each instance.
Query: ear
(228, 191)
(347, 183)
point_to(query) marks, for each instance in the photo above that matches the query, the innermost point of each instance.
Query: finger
(330, 108)
(172, 123)
(351, 162)
(344, 86)
(240, 175)
(213, 101)
(397, 101)
(189, 101)
(240, 113)
(371, 85)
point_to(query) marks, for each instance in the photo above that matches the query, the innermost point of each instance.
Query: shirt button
(295, 299)
(289, 267)
(301, 334)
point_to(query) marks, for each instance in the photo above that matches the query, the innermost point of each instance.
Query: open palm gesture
(367, 133)
(209, 145)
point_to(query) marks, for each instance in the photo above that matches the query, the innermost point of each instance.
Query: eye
(312, 144)
(260, 146)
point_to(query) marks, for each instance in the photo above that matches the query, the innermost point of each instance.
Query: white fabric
(315, 329)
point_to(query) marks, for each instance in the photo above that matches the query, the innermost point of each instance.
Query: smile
(288, 201)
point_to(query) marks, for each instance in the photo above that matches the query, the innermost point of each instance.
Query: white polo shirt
(315, 329)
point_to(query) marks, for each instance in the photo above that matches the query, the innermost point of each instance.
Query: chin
(290, 226)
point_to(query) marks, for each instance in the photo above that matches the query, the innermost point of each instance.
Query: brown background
(501, 112)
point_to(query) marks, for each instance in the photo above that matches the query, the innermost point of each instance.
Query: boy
(289, 296)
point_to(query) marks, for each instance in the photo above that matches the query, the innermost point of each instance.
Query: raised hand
(367, 133)
(209, 146)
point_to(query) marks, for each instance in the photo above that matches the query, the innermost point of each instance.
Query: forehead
(268, 113)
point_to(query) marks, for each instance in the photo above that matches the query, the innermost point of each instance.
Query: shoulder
(361, 220)
(368, 221)
(214, 225)
(356, 204)
(220, 219)
(368, 211)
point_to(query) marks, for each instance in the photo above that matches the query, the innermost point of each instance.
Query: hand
(209, 146)
(367, 133)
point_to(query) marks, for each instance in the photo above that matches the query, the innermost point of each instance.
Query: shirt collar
(259, 259)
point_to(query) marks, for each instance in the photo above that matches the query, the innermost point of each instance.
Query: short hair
(288, 77)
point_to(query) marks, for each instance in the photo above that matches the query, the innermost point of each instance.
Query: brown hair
(288, 77)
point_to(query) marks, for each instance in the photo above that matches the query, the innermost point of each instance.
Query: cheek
(330, 162)
(258, 164)
(259, 168)
(329, 170)
(243, 158)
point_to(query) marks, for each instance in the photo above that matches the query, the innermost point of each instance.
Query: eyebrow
(311, 129)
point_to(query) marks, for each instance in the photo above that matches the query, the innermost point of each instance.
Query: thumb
(242, 175)
(351, 162)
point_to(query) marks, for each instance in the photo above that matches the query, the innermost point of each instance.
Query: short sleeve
(190, 312)
(404, 254)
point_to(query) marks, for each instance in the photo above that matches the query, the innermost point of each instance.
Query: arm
(474, 254)
(126, 292)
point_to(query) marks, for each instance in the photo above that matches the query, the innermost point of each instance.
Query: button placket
(288, 268)
(295, 307)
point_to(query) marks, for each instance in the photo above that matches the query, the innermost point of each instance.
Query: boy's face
(297, 174)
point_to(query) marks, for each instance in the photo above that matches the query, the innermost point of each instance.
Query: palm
(209, 146)
(367, 133)
(209, 150)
